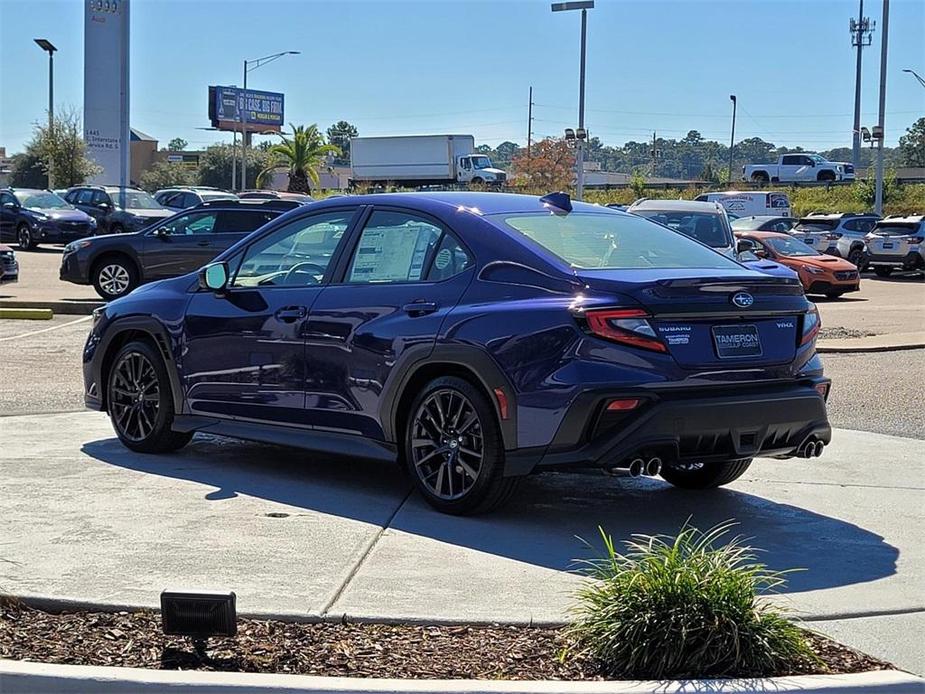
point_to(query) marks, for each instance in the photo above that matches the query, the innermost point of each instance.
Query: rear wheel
(453, 448)
(140, 401)
(705, 475)
(759, 177)
(24, 238)
(856, 257)
(883, 271)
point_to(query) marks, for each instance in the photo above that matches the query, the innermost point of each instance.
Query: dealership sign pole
(106, 88)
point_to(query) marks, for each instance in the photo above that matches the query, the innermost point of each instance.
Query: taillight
(626, 326)
(834, 236)
(811, 324)
(915, 239)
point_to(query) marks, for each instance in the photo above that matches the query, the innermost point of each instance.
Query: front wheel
(140, 401)
(453, 448)
(114, 277)
(705, 475)
(24, 238)
(883, 271)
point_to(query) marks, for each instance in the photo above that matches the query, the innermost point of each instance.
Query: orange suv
(819, 273)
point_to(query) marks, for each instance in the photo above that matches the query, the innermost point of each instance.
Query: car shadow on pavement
(546, 524)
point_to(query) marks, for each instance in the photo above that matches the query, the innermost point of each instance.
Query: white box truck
(421, 160)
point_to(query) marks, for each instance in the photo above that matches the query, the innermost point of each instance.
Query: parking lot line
(45, 330)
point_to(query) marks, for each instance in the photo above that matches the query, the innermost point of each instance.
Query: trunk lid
(705, 319)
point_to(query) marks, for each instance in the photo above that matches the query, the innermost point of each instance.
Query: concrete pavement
(81, 517)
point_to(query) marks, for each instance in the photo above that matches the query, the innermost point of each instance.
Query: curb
(66, 308)
(26, 313)
(23, 677)
(860, 349)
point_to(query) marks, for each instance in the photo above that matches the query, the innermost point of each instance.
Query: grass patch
(685, 606)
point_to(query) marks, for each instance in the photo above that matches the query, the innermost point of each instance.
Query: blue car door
(244, 353)
(404, 272)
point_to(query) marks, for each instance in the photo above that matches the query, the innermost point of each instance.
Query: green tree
(62, 150)
(302, 153)
(215, 165)
(177, 144)
(27, 170)
(165, 174)
(912, 144)
(339, 135)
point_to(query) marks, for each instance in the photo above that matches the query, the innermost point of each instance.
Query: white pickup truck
(803, 166)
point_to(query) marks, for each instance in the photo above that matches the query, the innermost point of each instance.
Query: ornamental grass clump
(686, 606)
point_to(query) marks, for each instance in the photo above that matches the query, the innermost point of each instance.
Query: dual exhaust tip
(639, 467)
(811, 449)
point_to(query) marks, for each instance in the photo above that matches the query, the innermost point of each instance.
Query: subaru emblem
(743, 299)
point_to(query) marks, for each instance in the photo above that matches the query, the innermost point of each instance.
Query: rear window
(896, 229)
(706, 228)
(816, 225)
(613, 241)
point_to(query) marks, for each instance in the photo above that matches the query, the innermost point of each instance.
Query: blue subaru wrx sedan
(474, 337)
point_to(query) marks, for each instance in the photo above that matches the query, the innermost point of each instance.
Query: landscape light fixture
(584, 6)
(198, 615)
(569, 134)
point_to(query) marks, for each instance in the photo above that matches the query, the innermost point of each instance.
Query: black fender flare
(474, 359)
(158, 333)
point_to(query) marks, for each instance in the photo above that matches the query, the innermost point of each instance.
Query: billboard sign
(261, 111)
(106, 88)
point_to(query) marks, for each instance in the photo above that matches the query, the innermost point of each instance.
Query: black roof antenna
(560, 201)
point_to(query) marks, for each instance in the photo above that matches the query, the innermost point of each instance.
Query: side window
(189, 224)
(85, 196)
(866, 225)
(100, 196)
(851, 225)
(240, 221)
(467, 163)
(71, 196)
(394, 247)
(296, 254)
(450, 259)
(5, 198)
(789, 160)
(172, 199)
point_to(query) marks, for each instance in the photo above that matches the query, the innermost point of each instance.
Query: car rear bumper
(699, 426)
(910, 261)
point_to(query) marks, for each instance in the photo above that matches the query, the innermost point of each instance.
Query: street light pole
(860, 38)
(732, 138)
(250, 66)
(584, 6)
(49, 48)
(916, 75)
(885, 27)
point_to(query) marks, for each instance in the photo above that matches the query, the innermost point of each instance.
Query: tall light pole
(49, 48)
(250, 66)
(916, 75)
(860, 38)
(584, 6)
(885, 27)
(732, 138)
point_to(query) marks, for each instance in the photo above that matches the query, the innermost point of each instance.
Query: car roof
(678, 206)
(763, 234)
(901, 219)
(837, 215)
(478, 202)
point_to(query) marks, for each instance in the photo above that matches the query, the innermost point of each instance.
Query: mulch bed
(354, 650)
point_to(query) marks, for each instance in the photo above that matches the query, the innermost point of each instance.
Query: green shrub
(686, 606)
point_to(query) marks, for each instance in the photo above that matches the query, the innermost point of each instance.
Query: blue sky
(451, 66)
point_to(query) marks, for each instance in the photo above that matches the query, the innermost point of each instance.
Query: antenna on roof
(560, 201)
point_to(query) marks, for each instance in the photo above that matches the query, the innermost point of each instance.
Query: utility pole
(860, 38)
(732, 137)
(885, 26)
(654, 155)
(529, 123)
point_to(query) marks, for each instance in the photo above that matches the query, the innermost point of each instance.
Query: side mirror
(214, 277)
(744, 245)
(161, 232)
(103, 205)
(9, 205)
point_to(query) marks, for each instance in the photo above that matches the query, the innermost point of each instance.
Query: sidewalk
(300, 537)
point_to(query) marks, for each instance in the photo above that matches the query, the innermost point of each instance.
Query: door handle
(419, 308)
(290, 314)
(204, 244)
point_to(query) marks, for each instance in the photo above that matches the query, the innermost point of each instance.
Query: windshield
(705, 227)
(819, 160)
(41, 200)
(136, 200)
(605, 241)
(481, 163)
(790, 247)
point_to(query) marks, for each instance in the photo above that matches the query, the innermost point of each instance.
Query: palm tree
(303, 153)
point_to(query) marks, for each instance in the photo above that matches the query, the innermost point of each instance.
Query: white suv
(842, 234)
(897, 243)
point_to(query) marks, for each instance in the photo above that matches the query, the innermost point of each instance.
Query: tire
(140, 401)
(24, 238)
(706, 476)
(759, 177)
(453, 449)
(856, 257)
(883, 271)
(115, 229)
(114, 276)
(477, 181)
(826, 176)
(833, 295)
